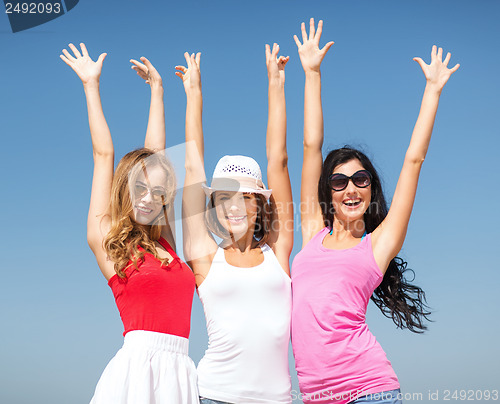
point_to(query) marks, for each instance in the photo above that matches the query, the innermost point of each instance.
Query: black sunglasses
(361, 179)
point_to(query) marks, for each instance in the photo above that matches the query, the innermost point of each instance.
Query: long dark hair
(395, 296)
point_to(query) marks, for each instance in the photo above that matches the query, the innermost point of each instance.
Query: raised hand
(147, 71)
(310, 54)
(437, 72)
(88, 70)
(190, 75)
(276, 65)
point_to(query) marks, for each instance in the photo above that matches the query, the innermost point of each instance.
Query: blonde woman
(128, 232)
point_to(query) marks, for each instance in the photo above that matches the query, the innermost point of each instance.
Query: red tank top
(154, 297)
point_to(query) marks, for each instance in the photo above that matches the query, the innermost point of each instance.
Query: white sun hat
(237, 174)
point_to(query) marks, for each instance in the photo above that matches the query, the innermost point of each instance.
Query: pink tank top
(336, 356)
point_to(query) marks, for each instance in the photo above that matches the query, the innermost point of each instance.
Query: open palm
(310, 54)
(82, 64)
(437, 72)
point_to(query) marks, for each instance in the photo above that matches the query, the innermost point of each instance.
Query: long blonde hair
(126, 235)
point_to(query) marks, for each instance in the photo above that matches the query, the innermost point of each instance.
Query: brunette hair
(126, 235)
(396, 297)
(264, 223)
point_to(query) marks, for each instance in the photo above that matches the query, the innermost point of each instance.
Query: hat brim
(236, 188)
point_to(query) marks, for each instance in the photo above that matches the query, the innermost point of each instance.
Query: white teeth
(352, 202)
(144, 210)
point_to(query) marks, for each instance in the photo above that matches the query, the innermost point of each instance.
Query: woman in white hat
(244, 283)
(127, 230)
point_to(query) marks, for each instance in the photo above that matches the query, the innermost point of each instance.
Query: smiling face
(236, 211)
(351, 203)
(148, 194)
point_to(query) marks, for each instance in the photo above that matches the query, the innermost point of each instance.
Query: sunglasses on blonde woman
(361, 179)
(158, 194)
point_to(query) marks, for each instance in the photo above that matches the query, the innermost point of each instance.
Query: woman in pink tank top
(128, 231)
(350, 246)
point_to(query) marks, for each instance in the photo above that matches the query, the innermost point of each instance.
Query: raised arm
(155, 133)
(311, 57)
(388, 238)
(199, 246)
(281, 240)
(98, 221)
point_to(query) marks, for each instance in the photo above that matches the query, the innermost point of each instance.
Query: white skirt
(150, 368)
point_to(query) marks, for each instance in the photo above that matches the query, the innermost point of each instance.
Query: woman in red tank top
(128, 231)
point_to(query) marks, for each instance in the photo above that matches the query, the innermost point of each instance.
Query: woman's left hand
(437, 72)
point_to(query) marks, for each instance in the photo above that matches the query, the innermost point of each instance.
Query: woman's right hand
(88, 70)
(190, 75)
(147, 71)
(275, 65)
(310, 54)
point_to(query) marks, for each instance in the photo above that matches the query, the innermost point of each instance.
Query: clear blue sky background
(59, 325)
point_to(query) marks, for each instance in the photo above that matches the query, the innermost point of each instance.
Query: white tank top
(248, 314)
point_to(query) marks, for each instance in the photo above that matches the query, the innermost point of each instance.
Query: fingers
(141, 74)
(312, 30)
(319, 31)
(148, 64)
(440, 54)
(193, 60)
(433, 53)
(84, 49)
(75, 50)
(188, 59)
(102, 56)
(297, 41)
(420, 62)
(283, 60)
(455, 68)
(141, 69)
(304, 33)
(272, 55)
(327, 47)
(68, 55)
(182, 71)
(447, 59)
(65, 60)
(139, 65)
(276, 49)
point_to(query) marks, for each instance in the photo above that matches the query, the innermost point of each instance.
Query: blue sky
(60, 325)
